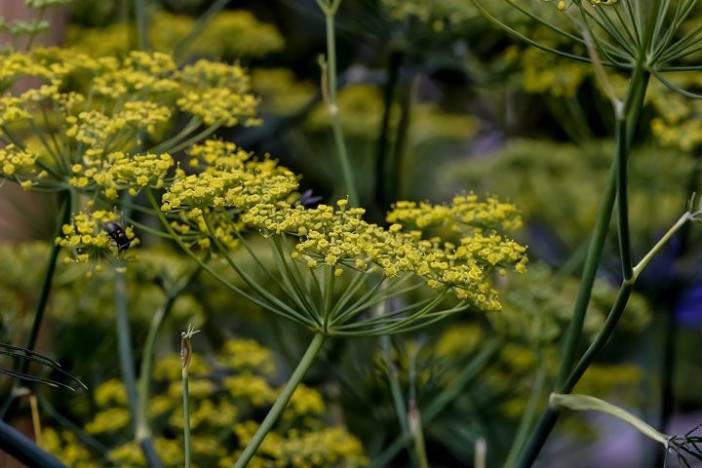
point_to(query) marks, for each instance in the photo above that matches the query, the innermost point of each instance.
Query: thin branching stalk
(415, 423)
(186, 352)
(281, 401)
(199, 27)
(627, 123)
(550, 417)
(439, 404)
(329, 91)
(396, 391)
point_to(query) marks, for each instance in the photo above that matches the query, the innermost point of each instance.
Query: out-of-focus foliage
(539, 176)
(228, 393)
(231, 34)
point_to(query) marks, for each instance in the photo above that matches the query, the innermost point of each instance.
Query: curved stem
(281, 401)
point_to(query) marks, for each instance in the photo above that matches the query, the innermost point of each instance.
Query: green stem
(198, 27)
(187, 443)
(281, 401)
(420, 451)
(143, 431)
(394, 65)
(452, 391)
(126, 360)
(527, 420)
(48, 280)
(396, 392)
(142, 24)
(342, 153)
(124, 343)
(592, 262)
(626, 129)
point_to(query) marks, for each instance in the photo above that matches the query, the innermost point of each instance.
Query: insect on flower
(118, 235)
(309, 200)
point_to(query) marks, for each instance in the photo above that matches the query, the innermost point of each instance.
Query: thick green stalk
(527, 420)
(331, 75)
(281, 401)
(126, 361)
(626, 128)
(587, 280)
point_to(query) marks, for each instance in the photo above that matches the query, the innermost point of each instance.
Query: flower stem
(281, 401)
(126, 361)
(142, 24)
(186, 353)
(46, 286)
(527, 420)
(143, 431)
(330, 8)
(415, 423)
(21, 365)
(454, 389)
(626, 128)
(18, 446)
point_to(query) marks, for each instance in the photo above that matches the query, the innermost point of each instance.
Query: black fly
(117, 234)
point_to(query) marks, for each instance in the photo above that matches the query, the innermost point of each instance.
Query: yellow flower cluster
(87, 235)
(304, 439)
(464, 211)
(118, 170)
(230, 180)
(232, 33)
(326, 447)
(218, 93)
(97, 129)
(248, 355)
(93, 115)
(260, 194)
(15, 162)
(340, 237)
